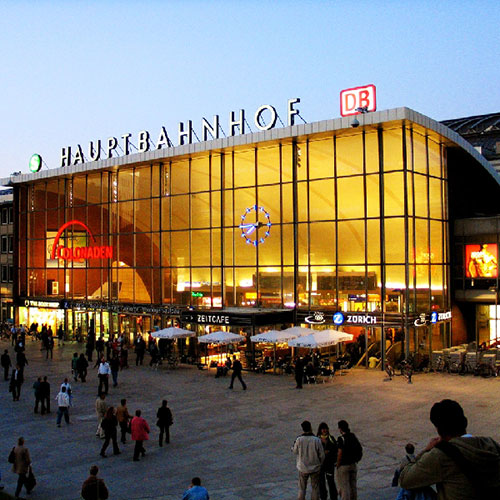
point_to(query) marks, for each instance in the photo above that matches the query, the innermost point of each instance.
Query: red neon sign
(358, 100)
(78, 253)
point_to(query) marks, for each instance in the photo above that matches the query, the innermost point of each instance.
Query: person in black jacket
(16, 381)
(81, 367)
(45, 395)
(109, 425)
(327, 473)
(237, 368)
(165, 420)
(6, 364)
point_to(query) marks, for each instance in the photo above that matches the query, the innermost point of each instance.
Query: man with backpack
(462, 466)
(349, 454)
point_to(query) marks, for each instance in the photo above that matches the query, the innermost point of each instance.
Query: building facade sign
(358, 100)
(79, 253)
(98, 150)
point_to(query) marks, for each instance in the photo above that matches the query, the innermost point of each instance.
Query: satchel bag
(12, 456)
(30, 480)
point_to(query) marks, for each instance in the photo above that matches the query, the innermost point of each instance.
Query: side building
(6, 256)
(335, 224)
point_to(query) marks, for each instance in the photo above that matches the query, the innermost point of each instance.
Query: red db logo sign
(358, 100)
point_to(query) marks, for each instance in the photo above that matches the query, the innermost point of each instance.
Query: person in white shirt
(62, 406)
(310, 456)
(69, 391)
(103, 373)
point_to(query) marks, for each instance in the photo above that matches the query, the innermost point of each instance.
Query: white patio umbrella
(274, 337)
(320, 338)
(221, 338)
(299, 331)
(173, 332)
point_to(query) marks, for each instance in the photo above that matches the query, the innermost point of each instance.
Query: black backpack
(352, 451)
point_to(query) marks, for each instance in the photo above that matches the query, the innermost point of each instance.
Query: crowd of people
(454, 465)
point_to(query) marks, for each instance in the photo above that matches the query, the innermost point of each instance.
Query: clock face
(255, 225)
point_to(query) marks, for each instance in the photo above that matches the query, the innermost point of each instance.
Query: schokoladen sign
(264, 119)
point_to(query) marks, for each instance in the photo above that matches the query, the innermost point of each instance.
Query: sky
(78, 71)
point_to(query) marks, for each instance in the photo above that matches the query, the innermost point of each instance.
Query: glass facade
(351, 220)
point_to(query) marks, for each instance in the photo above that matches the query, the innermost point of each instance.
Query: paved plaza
(237, 441)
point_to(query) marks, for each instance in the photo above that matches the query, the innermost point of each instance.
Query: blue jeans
(62, 410)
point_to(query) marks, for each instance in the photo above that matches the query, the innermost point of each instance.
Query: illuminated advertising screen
(481, 261)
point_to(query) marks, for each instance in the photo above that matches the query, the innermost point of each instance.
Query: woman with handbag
(22, 467)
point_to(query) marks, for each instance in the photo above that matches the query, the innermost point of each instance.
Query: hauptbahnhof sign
(209, 130)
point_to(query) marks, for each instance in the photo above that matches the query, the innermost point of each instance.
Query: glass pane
(143, 215)
(436, 241)
(269, 199)
(268, 165)
(200, 248)
(372, 196)
(394, 194)
(321, 162)
(351, 204)
(156, 182)
(244, 199)
(180, 212)
(155, 211)
(245, 253)
(228, 208)
(200, 209)
(200, 179)
(395, 277)
(244, 168)
(179, 176)
(393, 150)
(94, 189)
(180, 248)
(125, 184)
(394, 240)
(434, 158)
(143, 252)
(216, 247)
(421, 198)
(286, 191)
(215, 199)
(142, 182)
(409, 193)
(303, 248)
(79, 192)
(302, 201)
(270, 250)
(349, 152)
(435, 198)
(351, 242)
(419, 153)
(215, 169)
(287, 237)
(373, 241)
(322, 235)
(286, 162)
(228, 170)
(322, 200)
(421, 242)
(246, 293)
(228, 245)
(371, 152)
(126, 216)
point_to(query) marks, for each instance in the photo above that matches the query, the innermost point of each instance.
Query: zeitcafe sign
(264, 119)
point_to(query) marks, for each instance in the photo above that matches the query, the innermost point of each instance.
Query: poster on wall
(481, 261)
(70, 240)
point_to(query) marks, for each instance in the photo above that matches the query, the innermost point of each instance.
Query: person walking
(327, 473)
(349, 454)
(140, 433)
(36, 390)
(310, 456)
(140, 348)
(103, 373)
(114, 366)
(50, 345)
(74, 365)
(123, 417)
(165, 420)
(45, 395)
(299, 372)
(16, 381)
(21, 466)
(21, 359)
(62, 399)
(101, 408)
(81, 367)
(237, 369)
(93, 488)
(109, 425)
(196, 491)
(6, 364)
(69, 390)
(60, 335)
